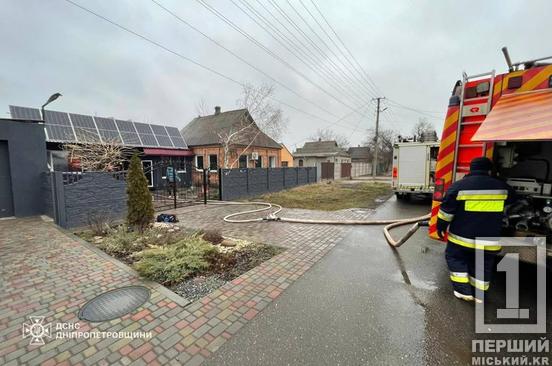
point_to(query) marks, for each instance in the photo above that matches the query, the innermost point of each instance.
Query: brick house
(251, 148)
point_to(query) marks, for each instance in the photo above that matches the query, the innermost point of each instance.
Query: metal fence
(241, 183)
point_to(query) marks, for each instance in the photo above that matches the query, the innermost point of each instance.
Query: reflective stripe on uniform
(445, 216)
(478, 284)
(484, 205)
(482, 194)
(460, 277)
(473, 243)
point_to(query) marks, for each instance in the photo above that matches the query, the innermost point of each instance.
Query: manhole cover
(114, 304)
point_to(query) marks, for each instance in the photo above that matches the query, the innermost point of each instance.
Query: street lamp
(50, 100)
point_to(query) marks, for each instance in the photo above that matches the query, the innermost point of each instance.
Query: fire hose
(389, 223)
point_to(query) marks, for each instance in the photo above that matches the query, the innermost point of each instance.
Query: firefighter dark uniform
(472, 209)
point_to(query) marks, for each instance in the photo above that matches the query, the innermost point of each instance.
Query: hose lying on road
(390, 223)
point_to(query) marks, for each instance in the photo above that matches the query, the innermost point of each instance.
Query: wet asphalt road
(364, 303)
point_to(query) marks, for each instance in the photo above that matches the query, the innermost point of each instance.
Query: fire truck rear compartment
(526, 167)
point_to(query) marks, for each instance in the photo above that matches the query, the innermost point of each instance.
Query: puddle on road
(409, 279)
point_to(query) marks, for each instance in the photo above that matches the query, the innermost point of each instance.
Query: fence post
(297, 175)
(220, 183)
(308, 175)
(268, 179)
(205, 181)
(60, 199)
(284, 176)
(247, 180)
(174, 184)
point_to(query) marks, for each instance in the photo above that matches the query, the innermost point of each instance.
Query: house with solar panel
(250, 148)
(155, 143)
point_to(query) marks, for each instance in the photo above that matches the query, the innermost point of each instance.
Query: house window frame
(300, 162)
(202, 162)
(150, 173)
(240, 161)
(259, 161)
(272, 161)
(216, 163)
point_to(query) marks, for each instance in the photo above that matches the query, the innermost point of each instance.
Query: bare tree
(386, 138)
(422, 129)
(202, 108)
(105, 156)
(330, 135)
(260, 115)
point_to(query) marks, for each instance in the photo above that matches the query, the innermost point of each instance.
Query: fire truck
(507, 118)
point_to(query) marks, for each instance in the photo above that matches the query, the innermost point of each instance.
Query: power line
(275, 31)
(236, 55)
(181, 56)
(353, 78)
(362, 71)
(264, 48)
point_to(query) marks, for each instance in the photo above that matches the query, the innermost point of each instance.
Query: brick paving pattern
(45, 272)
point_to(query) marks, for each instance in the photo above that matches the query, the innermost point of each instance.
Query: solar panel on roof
(164, 141)
(148, 139)
(60, 133)
(57, 118)
(85, 128)
(109, 136)
(105, 123)
(130, 138)
(143, 128)
(32, 114)
(159, 130)
(173, 131)
(126, 126)
(179, 142)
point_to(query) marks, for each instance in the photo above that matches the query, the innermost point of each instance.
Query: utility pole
(375, 155)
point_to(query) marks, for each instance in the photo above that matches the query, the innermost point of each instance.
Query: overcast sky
(413, 51)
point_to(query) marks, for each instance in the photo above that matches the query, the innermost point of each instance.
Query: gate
(327, 170)
(178, 183)
(345, 170)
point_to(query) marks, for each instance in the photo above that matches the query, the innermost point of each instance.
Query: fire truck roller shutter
(519, 117)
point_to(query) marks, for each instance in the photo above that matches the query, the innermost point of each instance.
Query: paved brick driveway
(45, 272)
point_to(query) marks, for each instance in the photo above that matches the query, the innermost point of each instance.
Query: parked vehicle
(505, 117)
(414, 168)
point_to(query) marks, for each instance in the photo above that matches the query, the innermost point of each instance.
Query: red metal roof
(168, 152)
(519, 117)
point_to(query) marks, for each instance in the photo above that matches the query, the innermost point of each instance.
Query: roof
(204, 130)
(285, 147)
(519, 117)
(167, 152)
(360, 152)
(320, 148)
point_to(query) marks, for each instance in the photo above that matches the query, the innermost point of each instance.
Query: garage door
(6, 199)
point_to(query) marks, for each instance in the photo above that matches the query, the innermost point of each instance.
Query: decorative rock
(228, 243)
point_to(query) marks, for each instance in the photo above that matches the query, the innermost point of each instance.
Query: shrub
(176, 262)
(140, 206)
(213, 236)
(99, 222)
(121, 243)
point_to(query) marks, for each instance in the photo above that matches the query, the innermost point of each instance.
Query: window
(199, 162)
(285, 164)
(147, 167)
(213, 162)
(300, 162)
(259, 162)
(243, 161)
(272, 161)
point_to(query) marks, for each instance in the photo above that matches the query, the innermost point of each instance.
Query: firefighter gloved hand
(442, 226)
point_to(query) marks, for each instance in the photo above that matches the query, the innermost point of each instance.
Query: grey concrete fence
(242, 183)
(80, 199)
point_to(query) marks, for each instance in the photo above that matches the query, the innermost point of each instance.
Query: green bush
(176, 262)
(121, 243)
(140, 206)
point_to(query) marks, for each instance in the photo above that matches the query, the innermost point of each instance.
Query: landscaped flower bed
(191, 263)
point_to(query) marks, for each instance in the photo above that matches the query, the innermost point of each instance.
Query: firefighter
(472, 210)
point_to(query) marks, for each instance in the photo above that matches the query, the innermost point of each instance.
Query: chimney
(217, 110)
